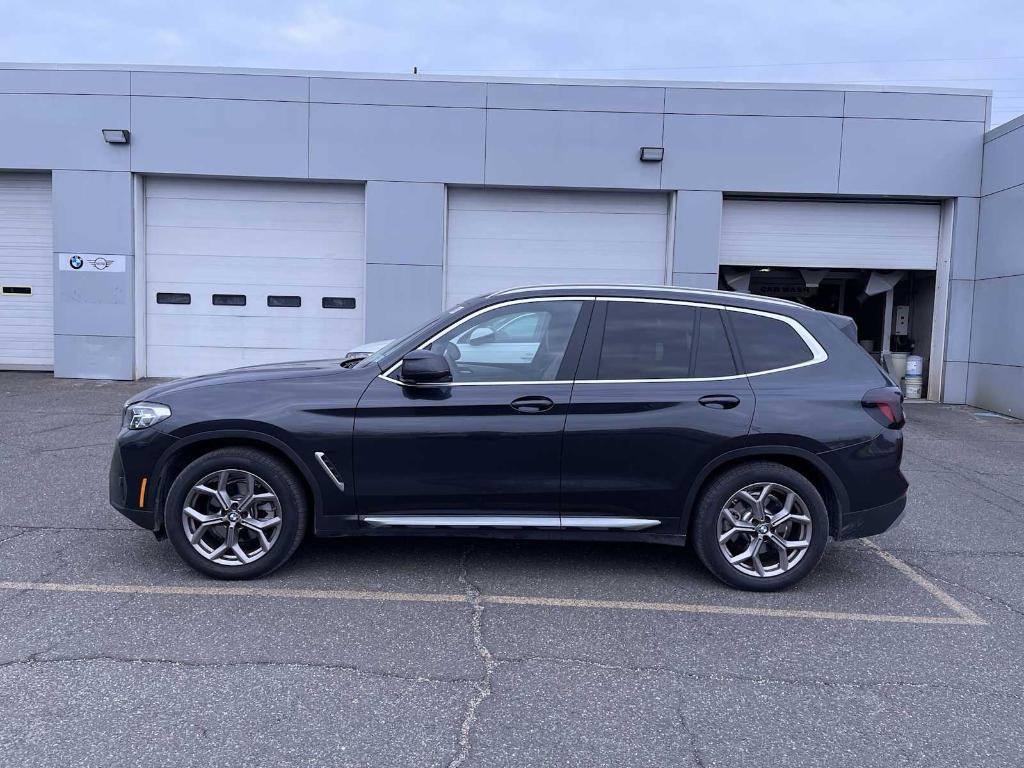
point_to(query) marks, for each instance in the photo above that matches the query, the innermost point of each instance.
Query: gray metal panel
(404, 223)
(958, 328)
(1004, 162)
(93, 304)
(211, 86)
(400, 297)
(747, 101)
(954, 383)
(1000, 234)
(93, 357)
(212, 136)
(575, 97)
(64, 81)
(92, 212)
(965, 239)
(698, 228)
(996, 387)
(916, 106)
(911, 157)
(998, 318)
(424, 93)
(571, 149)
(52, 131)
(751, 154)
(695, 279)
(396, 143)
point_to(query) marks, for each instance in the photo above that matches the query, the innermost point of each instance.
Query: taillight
(885, 405)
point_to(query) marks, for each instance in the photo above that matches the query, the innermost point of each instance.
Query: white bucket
(898, 360)
(915, 365)
(912, 387)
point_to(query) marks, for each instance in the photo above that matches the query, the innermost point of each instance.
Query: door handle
(722, 402)
(532, 404)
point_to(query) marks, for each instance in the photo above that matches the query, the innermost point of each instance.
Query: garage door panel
(264, 214)
(502, 238)
(836, 234)
(262, 243)
(526, 225)
(240, 189)
(258, 332)
(555, 200)
(219, 270)
(26, 259)
(256, 239)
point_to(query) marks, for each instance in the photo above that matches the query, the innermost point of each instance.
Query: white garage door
(26, 272)
(799, 233)
(502, 238)
(242, 273)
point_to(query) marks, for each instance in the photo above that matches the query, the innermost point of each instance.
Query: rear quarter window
(766, 343)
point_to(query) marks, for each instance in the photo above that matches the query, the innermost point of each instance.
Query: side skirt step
(551, 522)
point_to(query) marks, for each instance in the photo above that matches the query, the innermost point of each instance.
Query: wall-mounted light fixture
(652, 154)
(115, 135)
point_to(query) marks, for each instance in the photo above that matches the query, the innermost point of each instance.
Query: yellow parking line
(969, 616)
(522, 600)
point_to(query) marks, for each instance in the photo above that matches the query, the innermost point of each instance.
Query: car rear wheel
(760, 526)
(235, 513)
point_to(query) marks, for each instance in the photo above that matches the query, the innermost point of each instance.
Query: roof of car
(728, 298)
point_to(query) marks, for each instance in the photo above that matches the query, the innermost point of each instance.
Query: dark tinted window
(173, 298)
(338, 302)
(229, 299)
(646, 341)
(284, 301)
(714, 357)
(766, 343)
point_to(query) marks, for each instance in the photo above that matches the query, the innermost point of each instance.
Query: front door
(657, 397)
(487, 444)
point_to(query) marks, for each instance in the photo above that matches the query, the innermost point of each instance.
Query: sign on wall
(90, 262)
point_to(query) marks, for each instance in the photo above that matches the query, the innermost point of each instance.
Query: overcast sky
(962, 44)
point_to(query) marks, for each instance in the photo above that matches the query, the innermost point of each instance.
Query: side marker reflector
(142, 492)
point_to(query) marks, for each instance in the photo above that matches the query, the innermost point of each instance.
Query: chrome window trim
(818, 353)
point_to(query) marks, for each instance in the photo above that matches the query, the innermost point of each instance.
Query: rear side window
(646, 341)
(766, 344)
(713, 356)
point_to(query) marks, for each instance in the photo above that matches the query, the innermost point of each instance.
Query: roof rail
(670, 288)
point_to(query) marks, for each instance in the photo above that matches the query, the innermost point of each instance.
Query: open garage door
(502, 238)
(26, 272)
(248, 272)
(843, 235)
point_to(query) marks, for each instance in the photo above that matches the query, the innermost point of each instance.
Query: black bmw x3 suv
(752, 428)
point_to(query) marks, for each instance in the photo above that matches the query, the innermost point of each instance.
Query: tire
(771, 486)
(260, 545)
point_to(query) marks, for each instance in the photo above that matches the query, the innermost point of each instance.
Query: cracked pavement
(204, 679)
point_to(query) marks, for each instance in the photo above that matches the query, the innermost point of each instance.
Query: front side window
(517, 342)
(766, 343)
(646, 340)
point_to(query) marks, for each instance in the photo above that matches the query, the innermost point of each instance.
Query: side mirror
(480, 336)
(422, 366)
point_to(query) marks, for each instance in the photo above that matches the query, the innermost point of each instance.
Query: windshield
(398, 343)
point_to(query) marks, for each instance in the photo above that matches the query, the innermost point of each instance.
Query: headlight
(142, 415)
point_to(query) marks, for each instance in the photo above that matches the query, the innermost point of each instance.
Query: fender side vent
(330, 469)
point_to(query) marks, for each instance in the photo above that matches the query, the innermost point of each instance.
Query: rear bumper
(874, 520)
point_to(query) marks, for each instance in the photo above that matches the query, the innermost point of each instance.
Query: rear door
(658, 395)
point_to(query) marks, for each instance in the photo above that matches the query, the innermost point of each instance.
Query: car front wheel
(235, 513)
(760, 526)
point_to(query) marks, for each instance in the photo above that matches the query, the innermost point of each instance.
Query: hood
(235, 375)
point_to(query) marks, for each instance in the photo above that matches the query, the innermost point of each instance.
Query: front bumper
(132, 483)
(874, 520)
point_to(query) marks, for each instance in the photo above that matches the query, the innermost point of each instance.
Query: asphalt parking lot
(906, 651)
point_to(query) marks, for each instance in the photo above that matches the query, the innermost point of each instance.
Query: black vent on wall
(338, 302)
(174, 298)
(229, 299)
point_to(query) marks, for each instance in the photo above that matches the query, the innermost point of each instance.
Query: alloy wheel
(232, 517)
(764, 529)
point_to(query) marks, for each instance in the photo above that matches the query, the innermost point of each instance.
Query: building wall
(995, 375)
(409, 137)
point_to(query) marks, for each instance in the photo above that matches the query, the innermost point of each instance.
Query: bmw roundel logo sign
(76, 262)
